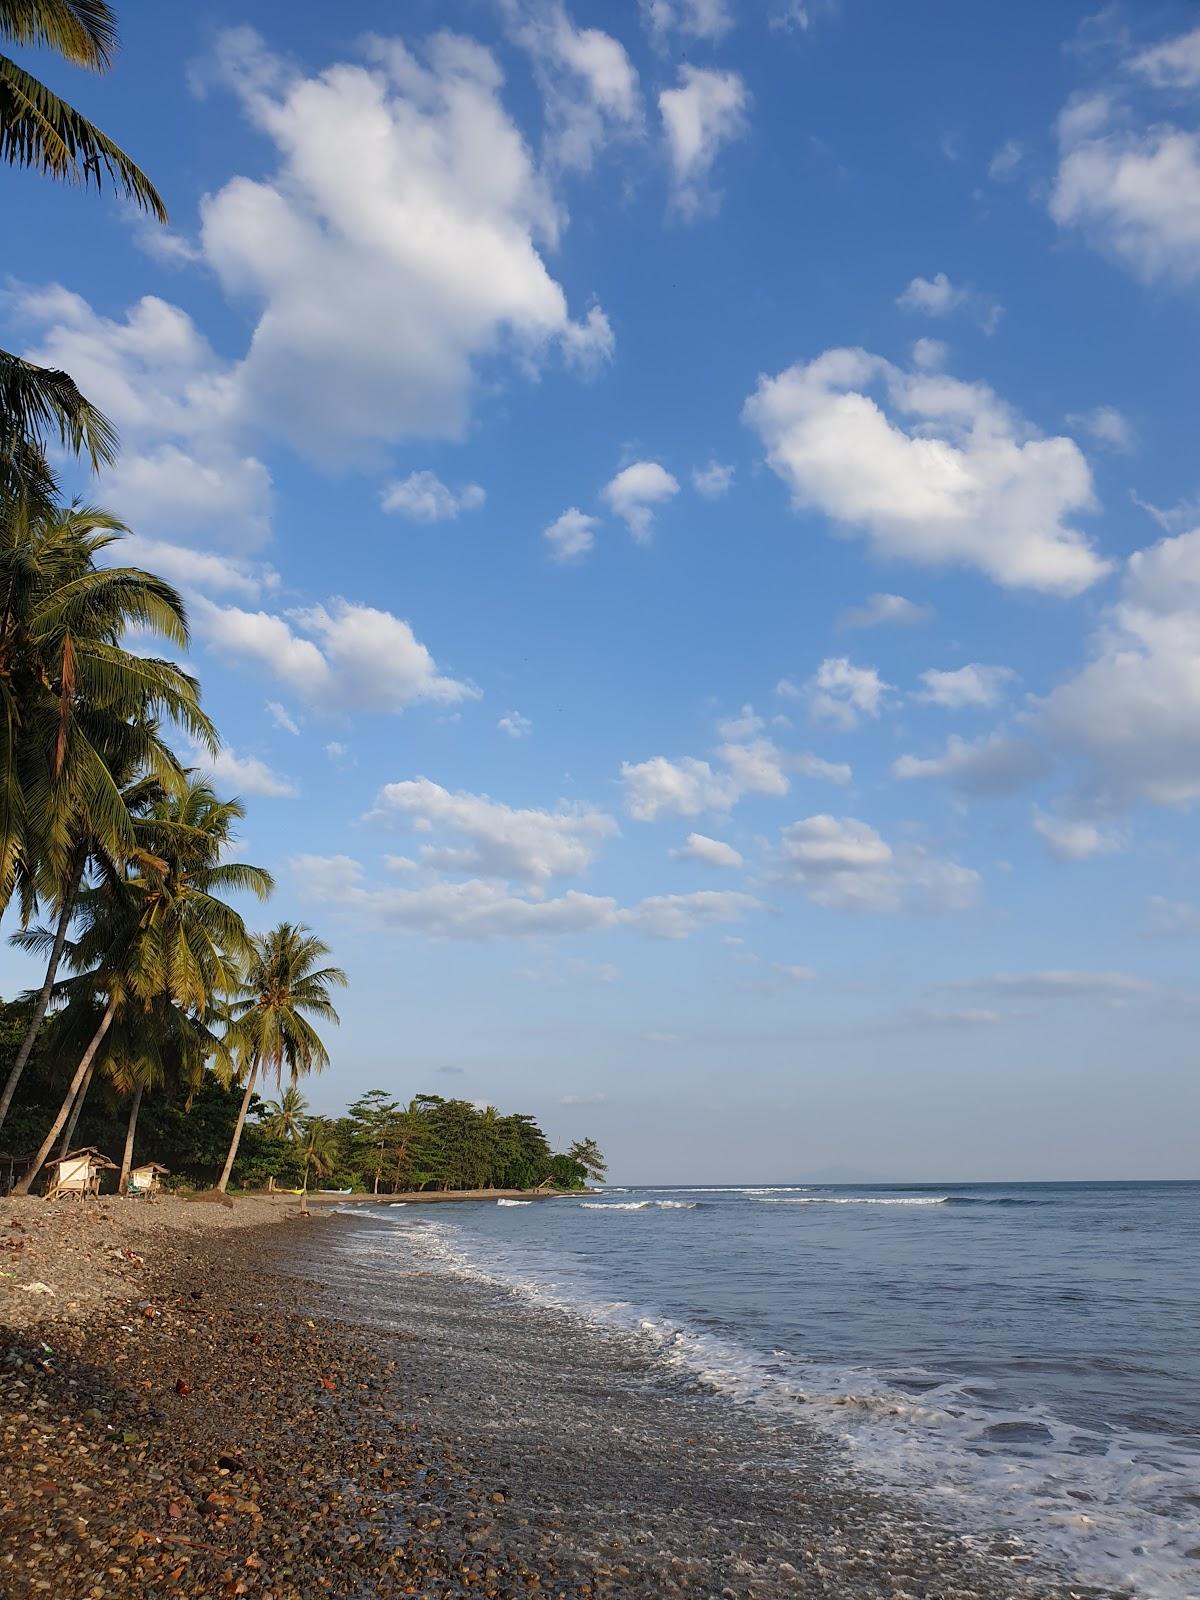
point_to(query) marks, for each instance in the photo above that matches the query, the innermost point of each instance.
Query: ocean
(1023, 1358)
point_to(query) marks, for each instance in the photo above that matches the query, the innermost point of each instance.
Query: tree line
(115, 856)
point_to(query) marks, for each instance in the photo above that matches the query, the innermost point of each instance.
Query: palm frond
(40, 403)
(84, 31)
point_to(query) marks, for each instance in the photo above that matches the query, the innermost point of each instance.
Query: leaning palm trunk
(43, 999)
(26, 1183)
(240, 1124)
(76, 1108)
(127, 1157)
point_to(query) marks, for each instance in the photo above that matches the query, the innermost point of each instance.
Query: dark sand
(268, 1411)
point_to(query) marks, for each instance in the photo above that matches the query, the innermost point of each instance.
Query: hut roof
(88, 1153)
(151, 1166)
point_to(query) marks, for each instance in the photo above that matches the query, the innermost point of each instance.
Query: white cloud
(193, 569)
(589, 87)
(1070, 839)
(938, 297)
(712, 481)
(1174, 64)
(1006, 161)
(571, 536)
(697, 19)
(282, 718)
(756, 766)
(844, 864)
(634, 493)
(972, 685)
(796, 973)
(1131, 187)
(708, 852)
(499, 841)
(398, 244)
(810, 766)
(706, 112)
(339, 657)
(181, 473)
(840, 692)
(423, 497)
(1064, 985)
(952, 477)
(243, 774)
(336, 751)
(684, 788)
(596, 1099)
(885, 608)
(1106, 425)
(1132, 713)
(996, 764)
(515, 725)
(677, 916)
(929, 354)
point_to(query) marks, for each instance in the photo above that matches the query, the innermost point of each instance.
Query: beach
(228, 1402)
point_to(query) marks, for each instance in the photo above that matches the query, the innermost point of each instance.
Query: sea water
(1024, 1358)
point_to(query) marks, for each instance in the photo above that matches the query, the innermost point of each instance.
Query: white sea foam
(1099, 1503)
(514, 1202)
(859, 1200)
(638, 1205)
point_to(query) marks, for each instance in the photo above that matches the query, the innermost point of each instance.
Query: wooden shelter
(147, 1179)
(11, 1167)
(77, 1175)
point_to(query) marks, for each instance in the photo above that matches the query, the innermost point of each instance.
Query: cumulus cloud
(951, 477)
(708, 852)
(844, 864)
(636, 491)
(1132, 712)
(938, 297)
(972, 685)
(840, 692)
(337, 657)
(712, 481)
(1064, 985)
(881, 609)
(703, 114)
(995, 764)
(194, 569)
(181, 474)
(496, 840)
(243, 775)
(515, 725)
(423, 497)
(399, 243)
(1130, 184)
(282, 717)
(571, 536)
(684, 788)
(1074, 839)
(588, 84)
(677, 916)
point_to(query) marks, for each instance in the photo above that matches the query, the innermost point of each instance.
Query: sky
(691, 522)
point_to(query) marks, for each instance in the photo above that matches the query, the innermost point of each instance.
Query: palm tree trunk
(43, 999)
(85, 1061)
(237, 1132)
(127, 1157)
(76, 1108)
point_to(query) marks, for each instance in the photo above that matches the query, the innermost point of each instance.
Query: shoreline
(270, 1406)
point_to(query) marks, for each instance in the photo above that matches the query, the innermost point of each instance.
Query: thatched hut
(147, 1179)
(77, 1175)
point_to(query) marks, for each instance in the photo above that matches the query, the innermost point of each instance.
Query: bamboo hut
(77, 1175)
(147, 1179)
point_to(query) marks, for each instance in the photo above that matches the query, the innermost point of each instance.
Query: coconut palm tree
(283, 986)
(39, 130)
(287, 1117)
(158, 933)
(78, 716)
(321, 1149)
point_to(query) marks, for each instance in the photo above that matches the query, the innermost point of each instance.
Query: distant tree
(321, 1149)
(370, 1124)
(287, 1117)
(587, 1153)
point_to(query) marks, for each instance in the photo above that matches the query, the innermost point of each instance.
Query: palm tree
(287, 1117)
(321, 1149)
(158, 933)
(39, 130)
(39, 405)
(77, 716)
(271, 1031)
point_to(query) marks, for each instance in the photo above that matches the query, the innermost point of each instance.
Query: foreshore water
(1022, 1360)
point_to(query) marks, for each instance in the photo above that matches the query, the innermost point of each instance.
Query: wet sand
(298, 1408)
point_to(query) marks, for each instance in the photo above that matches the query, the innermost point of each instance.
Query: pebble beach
(218, 1402)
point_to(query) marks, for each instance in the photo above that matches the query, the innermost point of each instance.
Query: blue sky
(692, 531)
